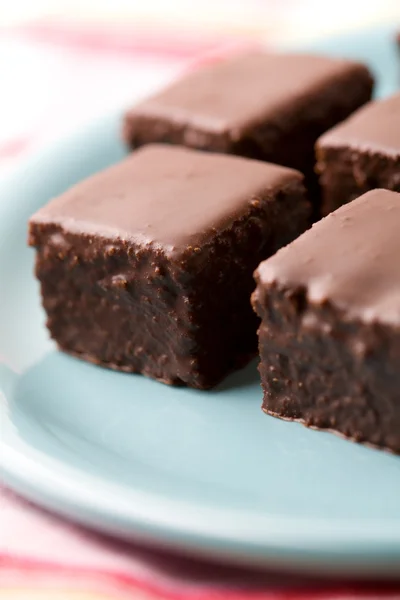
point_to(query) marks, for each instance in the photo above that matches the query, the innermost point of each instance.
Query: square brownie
(330, 333)
(147, 266)
(260, 105)
(360, 154)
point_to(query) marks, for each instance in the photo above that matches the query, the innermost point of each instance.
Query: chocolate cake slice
(330, 333)
(147, 266)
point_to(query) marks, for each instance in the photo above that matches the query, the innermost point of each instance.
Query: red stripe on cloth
(16, 573)
(128, 569)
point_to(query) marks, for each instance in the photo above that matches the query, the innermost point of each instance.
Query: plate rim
(122, 517)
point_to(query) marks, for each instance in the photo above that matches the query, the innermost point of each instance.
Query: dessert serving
(147, 266)
(360, 154)
(330, 331)
(267, 106)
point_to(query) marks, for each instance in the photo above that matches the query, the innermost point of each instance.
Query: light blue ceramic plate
(205, 472)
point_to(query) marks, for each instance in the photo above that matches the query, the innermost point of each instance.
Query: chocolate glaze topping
(235, 94)
(350, 258)
(191, 195)
(374, 127)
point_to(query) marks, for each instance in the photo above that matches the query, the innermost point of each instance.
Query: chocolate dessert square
(266, 106)
(360, 154)
(330, 333)
(147, 266)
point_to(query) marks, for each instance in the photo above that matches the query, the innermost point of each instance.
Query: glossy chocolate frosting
(167, 196)
(373, 128)
(350, 259)
(233, 95)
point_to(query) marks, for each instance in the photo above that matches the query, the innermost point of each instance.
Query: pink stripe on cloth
(142, 40)
(14, 147)
(38, 548)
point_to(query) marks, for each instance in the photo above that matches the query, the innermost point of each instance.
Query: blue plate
(206, 472)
